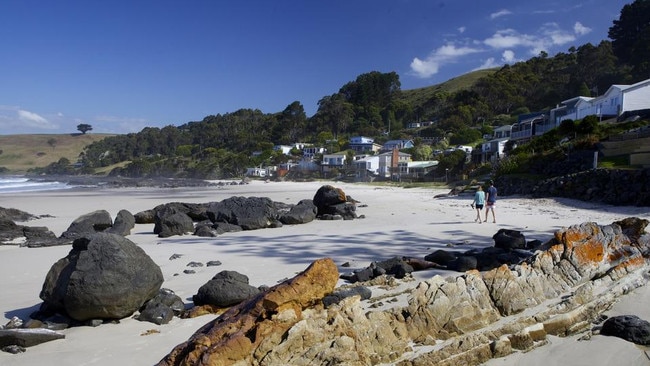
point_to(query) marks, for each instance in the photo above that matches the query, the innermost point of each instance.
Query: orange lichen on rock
(234, 336)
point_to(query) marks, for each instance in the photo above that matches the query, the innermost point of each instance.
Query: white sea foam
(22, 184)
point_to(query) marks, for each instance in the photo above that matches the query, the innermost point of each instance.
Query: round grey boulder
(105, 276)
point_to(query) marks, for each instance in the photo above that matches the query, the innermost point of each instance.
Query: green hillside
(420, 96)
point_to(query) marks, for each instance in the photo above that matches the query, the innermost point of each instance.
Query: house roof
(422, 164)
(391, 153)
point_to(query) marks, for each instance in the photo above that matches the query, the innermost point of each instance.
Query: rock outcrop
(469, 318)
(254, 328)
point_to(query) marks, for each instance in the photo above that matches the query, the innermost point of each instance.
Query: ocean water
(22, 184)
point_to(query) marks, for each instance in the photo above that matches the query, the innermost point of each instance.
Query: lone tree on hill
(84, 127)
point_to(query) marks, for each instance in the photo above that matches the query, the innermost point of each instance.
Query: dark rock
(9, 230)
(250, 213)
(195, 211)
(327, 196)
(145, 217)
(27, 337)
(13, 349)
(336, 296)
(305, 211)
(509, 239)
(441, 257)
(38, 233)
(224, 227)
(345, 210)
(231, 275)
(205, 231)
(213, 263)
(395, 266)
(463, 263)
(169, 221)
(96, 221)
(124, 223)
(629, 327)
(162, 308)
(13, 214)
(633, 227)
(105, 276)
(226, 288)
(534, 244)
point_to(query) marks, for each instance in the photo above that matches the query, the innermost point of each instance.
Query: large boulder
(226, 288)
(105, 276)
(124, 222)
(629, 327)
(328, 196)
(170, 221)
(250, 213)
(509, 239)
(305, 211)
(96, 221)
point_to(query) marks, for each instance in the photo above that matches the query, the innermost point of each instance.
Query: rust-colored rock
(469, 318)
(235, 335)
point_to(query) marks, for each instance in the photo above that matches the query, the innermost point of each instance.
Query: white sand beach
(398, 222)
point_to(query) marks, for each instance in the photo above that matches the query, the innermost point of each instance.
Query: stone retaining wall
(611, 186)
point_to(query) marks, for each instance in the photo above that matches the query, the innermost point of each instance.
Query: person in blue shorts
(490, 201)
(478, 203)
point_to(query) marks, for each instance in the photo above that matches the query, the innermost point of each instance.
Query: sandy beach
(397, 222)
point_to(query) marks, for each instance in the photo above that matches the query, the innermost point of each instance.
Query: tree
(630, 37)
(84, 127)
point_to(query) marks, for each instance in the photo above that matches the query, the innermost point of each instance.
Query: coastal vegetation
(460, 111)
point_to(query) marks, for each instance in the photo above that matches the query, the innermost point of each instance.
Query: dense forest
(374, 105)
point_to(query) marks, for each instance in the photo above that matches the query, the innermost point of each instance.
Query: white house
(493, 149)
(367, 163)
(334, 160)
(617, 100)
(286, 149)
(308, 152)
(361, 144)
(257, 172)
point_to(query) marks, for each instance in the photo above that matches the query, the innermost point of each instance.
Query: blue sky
(123, 65)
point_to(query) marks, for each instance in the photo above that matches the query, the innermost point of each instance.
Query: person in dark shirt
(490, 201)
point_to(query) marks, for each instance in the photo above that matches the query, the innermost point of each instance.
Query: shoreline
(398, 222)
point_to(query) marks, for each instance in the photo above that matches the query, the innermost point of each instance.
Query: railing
(520, 134)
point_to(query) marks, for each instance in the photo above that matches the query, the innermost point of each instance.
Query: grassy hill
(420, 96)
(23, 152)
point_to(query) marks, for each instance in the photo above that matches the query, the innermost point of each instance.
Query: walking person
(478, 203)
(490, 201)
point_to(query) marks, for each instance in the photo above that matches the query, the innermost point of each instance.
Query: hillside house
(285, 149)
(366, 166)
(331, 162)
(389, 163)
(361, 144)
(416, 170)
(397, 144)
(493, 149)
(616, 101)
(309, 152)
